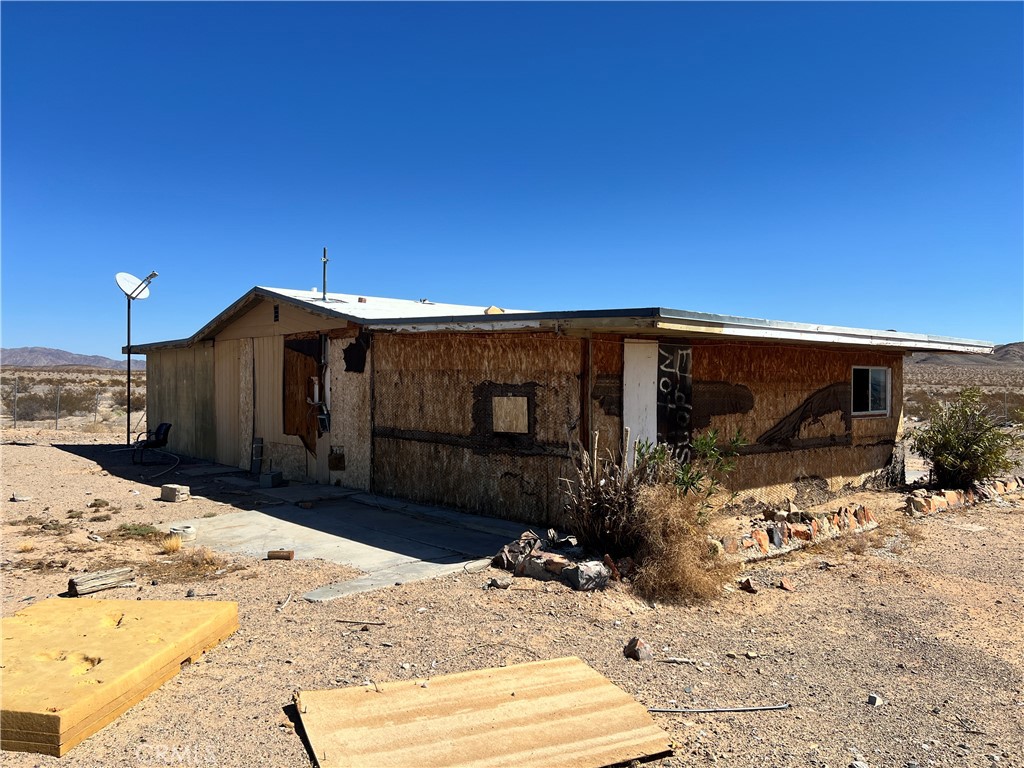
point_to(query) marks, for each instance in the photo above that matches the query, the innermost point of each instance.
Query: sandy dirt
(926, 614)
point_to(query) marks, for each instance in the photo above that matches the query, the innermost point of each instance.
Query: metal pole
(15, 402)
(325, 272)
(128, 405)
(56, 411)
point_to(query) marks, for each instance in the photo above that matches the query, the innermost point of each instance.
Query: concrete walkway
(390, 540)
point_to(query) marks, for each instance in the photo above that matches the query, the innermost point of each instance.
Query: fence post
(96, 407)
(15, 402)
(56, 414)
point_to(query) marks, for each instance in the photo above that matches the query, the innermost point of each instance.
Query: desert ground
(925, 614)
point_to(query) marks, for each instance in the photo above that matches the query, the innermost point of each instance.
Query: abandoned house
(476, 407)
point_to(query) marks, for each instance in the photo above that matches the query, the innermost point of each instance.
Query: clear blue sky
(840, 163)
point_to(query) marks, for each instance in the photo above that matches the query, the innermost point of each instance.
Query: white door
(640, 391)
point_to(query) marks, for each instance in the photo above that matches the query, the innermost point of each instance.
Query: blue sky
(843, 163)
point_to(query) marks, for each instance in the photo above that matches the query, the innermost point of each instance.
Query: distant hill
(1003, 356)
(45, 357)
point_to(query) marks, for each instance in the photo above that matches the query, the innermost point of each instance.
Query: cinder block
(271, 479)
(173, 492)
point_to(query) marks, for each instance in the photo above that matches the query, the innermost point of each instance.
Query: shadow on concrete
(392, 538)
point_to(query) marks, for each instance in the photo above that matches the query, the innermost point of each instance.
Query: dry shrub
(170, 544)
(676, 559)
(26, 547)
(203, 558)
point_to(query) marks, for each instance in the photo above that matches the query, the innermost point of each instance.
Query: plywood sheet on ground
(71, 667)
(559, 712)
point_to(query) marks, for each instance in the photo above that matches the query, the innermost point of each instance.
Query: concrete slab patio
(390, 540)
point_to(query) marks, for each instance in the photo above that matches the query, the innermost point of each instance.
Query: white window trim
(888, 391)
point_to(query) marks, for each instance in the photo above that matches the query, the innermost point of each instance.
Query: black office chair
(150, 441)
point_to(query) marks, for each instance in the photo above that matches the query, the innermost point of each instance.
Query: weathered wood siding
(180, 390)
(227, 382)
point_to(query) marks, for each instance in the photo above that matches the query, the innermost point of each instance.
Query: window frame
(888, 392)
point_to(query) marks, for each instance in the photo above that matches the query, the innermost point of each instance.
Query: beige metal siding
(259, 322)
(227, 385)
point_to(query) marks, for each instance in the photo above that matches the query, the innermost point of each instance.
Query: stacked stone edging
(922, 502)
(786, 532)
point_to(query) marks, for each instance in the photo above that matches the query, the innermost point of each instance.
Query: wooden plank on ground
(73, 666)
(559, 712)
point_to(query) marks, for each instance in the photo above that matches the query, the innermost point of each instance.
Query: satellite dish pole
(324, 260)
(133, 288)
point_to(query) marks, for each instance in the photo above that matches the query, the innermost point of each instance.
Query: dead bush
(170, 544)
(657, 512)
(677, 561)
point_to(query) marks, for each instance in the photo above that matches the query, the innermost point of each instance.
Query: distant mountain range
(1003, 356)
(44, 357)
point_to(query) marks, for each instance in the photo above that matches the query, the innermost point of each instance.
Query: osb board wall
(606, 393)
(512, 487)
(259, 321)
(792, 405)
(180, 390)
(349, 458)
(432, 426)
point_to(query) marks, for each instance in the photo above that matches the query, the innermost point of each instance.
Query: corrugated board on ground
(73, 666)
(559, 712)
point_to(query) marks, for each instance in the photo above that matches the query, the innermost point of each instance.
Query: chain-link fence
(34, 399)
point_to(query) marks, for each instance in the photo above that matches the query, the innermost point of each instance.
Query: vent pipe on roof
(324, 260)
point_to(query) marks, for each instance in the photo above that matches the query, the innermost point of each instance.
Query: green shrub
(964, 443)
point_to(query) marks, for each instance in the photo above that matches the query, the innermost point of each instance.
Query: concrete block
(271, 479)
(174, 493)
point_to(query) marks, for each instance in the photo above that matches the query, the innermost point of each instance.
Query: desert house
(476, 407)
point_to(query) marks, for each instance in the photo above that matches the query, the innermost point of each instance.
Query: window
(870, 391)
(510, 415)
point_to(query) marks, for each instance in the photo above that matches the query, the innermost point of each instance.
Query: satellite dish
(131, 285)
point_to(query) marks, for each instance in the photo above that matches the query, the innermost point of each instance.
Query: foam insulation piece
(559, 712)
(71, 666)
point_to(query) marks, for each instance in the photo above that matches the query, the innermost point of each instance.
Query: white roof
(379, 308)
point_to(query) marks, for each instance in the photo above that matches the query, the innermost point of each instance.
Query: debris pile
(557, 557)
(922, 502)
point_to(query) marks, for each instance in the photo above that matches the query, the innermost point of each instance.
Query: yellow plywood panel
(73, 666)
(559, 712)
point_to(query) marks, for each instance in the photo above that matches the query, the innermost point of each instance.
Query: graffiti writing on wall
(675, 384)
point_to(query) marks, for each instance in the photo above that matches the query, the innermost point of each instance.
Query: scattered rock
(786, 584)
(98, 503)
(751, 654)
(20, 497)
(587, 576)
(190, 593)
(747, 585)
(495, 583)
(94, 537)
(638, 649)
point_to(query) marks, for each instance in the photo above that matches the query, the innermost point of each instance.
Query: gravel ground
(925, 614)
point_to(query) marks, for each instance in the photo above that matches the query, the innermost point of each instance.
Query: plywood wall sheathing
(259, 322)
(769, 382)
(430, 441)
(73, 666)
(350, 417)
(227, 381)
(537, 715)
(180, 390)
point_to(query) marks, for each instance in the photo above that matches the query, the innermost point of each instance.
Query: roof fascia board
(833, 335)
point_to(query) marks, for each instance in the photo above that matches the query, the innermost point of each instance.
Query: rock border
(777, 537)
(922, 502)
